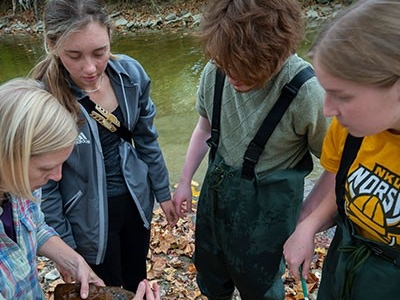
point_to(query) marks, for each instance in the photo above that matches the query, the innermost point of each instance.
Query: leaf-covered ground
(171, 266)
(169, 262)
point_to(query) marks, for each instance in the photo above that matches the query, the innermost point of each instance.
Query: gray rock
(121, 22)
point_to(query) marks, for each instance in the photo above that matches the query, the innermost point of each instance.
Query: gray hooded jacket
(76, 206)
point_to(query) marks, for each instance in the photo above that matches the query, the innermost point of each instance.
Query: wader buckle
(290, 91)
(251, 158)
(213, 140)
(377, 251)
(391, 257)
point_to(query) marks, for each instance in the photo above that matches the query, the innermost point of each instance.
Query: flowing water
(173, 61)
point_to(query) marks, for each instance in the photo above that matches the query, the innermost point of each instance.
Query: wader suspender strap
(254, 150)
(256, 146)
(350, 149)
(106, 119)
(213, 141)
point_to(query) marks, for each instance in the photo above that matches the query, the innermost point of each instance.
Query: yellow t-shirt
(373, 182)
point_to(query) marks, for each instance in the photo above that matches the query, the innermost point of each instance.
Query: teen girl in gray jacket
(77, 206)
(102, 206)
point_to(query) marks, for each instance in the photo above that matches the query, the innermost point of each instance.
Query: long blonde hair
(32, 122)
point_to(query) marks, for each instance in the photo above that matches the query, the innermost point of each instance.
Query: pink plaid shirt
(18, 271)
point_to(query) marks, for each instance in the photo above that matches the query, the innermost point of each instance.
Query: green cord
(303, 285)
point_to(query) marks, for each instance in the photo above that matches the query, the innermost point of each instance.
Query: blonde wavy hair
(32, 122)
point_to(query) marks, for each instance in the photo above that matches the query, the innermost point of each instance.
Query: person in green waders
(251, 197)
(357, 61)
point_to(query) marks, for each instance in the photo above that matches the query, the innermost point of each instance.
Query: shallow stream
(173, 61)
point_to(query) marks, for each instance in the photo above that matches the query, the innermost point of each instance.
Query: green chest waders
(356, 268)
(243, 221)
(241, 227)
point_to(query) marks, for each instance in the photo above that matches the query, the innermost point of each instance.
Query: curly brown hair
(251, 39)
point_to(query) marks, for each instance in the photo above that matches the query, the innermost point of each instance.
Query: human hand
(145, 289)
(299, 250)
(86, 279)
(65, 274)
(71, 265)
(170, 212)
(85, 276)
(183, 199)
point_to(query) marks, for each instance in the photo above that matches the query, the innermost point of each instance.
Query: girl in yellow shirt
(356, 59)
